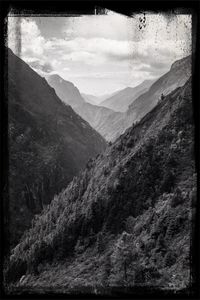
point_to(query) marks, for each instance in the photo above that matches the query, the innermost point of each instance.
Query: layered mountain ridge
(96, 100)
(95, 115)
(121, 100)
(114, 115)
(126, 220)
(177, 76)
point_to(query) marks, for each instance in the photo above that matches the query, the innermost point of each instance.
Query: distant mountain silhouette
(48, 144)
(97, 99)
(91, 99)
(121, 100)
(95, 115)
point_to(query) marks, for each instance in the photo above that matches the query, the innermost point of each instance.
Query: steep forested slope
(121, 100)
(126, 220)
(48, 144)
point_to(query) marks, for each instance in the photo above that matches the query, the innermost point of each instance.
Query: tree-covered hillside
(126, 220)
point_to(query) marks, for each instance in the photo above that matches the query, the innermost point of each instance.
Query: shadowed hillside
(48, 144)
(126, 220)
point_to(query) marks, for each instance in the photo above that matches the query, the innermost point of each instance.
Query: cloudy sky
(101, 53)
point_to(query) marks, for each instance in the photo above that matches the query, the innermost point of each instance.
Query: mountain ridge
(48, 144)
(121, 100)
(115, 219)
(95, 115)
(175, 77)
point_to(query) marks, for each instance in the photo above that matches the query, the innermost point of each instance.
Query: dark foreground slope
(48, 144)
(126, 220)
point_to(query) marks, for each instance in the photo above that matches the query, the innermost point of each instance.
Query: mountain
(90, 98)
(178, 74)
(96, 116)
(121, 100)
(125, 220)
(48, 144)
(112, 124)
(96, 99)
(65, 90)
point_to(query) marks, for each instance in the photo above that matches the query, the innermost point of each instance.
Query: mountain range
(125, 221)
(132, 103)
(178, 74)
(96, 100)
(48, 144)
(95, 115)
(121, 100)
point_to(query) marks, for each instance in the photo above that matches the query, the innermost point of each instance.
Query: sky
(101, 54)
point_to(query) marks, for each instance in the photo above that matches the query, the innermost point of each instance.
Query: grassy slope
(127, 219)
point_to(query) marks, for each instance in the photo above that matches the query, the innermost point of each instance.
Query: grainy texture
(126, 220)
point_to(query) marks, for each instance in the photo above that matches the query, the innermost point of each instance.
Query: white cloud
(109, 48)
(110, 26)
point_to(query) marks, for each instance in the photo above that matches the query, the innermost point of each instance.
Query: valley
(109, 229)
(101, 193)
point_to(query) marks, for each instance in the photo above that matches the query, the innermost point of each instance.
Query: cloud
(110, 26)
(28, 41)
(109, 49)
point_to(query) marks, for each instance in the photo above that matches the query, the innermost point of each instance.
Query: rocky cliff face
(48, 144)
(126, 220)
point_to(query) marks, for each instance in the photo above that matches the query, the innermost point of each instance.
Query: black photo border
(81, 8)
